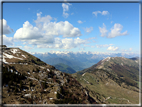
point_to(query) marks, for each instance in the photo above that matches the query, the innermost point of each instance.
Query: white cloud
(103, 30)
(6, 28)
(103, 12)
(88, 30)
(61, 28)
(45, 19)
(111, 21)
(28, 32)
(66, 43)
(116, 31)
(112, 48)
(79, 21)
(130, 49)
(96, 12)
(45, 31)
(65, 9)
(7, 41)
(40, 20)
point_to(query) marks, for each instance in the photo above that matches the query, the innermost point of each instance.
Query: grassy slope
(107, 88)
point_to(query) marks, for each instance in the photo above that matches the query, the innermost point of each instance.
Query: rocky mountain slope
(112, 80)
(28, 80)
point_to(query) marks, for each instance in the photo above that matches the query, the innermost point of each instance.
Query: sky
(95, 27)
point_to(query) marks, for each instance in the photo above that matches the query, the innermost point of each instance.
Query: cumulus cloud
(88, 30)
(102, 13)
(130, 49)
(45, 31)
(6, 28)
(65, 9)
(79, 21)
(61, 28)
(28, 32)
(7, 41)
(112, 48)
(66, 43)
(40, 20)
(103, 30)
(116, 31)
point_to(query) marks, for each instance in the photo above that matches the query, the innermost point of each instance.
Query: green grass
(108, 90)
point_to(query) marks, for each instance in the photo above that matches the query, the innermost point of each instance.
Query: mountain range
(78, 60)
(27, 79)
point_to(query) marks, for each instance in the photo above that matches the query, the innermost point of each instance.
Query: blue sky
(96, 27)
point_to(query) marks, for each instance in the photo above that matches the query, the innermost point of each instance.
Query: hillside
(64, 68)
(28, 80)
(112, 80)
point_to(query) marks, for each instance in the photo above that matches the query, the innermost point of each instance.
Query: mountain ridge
(28, 80)
(112, 73)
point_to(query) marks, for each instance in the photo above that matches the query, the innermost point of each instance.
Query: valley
(26, 79)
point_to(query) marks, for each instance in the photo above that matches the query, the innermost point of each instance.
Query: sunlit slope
(113, 80)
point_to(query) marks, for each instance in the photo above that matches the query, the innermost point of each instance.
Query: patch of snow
(50, 98)
(122, 64)
(106, 59)
(48, 70)
(24, 56)
(83, 74)
(27, 95)
(4, 60)
(11, 70)
(10, 56)
(86, 81)
(14, 51)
